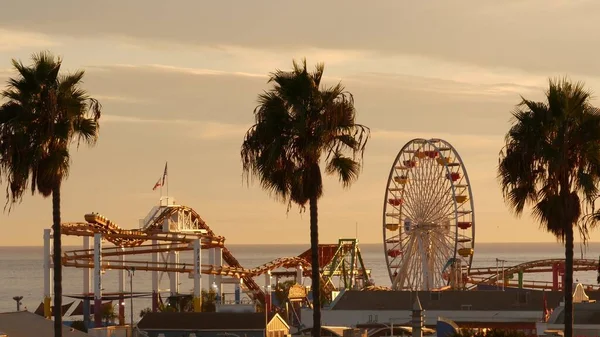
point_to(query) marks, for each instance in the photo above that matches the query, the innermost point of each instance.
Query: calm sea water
(21, 271)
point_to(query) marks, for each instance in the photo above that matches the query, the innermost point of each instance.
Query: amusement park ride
(428, 217)
(428, 237)
(429, 227)
(170, 229)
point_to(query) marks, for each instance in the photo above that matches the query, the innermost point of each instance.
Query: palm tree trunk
(56, 259)
(568, 286)
(315, 268)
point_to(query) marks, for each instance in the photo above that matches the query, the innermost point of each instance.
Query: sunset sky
(179, 79)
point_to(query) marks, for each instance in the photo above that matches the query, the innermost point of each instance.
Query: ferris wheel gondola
(428, 217)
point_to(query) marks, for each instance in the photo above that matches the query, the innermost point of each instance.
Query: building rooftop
(583, 313)
(28, 324)
(519, 300)
(202, 321)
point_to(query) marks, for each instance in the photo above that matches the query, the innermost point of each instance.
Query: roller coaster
(505, 276)
(169, 229)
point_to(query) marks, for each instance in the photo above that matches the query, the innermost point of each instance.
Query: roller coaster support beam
(558, 269)
(211, 262)
(121, 279)
(218, 264)
(299, 275)
(86, 286)
(268, 286)
(197, 276)
(154, 280)
(173, 258)
(237, 292)
(97, 280)
(47, 274)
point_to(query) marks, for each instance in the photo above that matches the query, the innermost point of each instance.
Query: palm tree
(297, 123)
(44, 113)
(551, 161)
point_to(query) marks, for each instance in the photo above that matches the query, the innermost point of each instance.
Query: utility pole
(598, 278)
(18, 299)
(130, 273)
(497, 274)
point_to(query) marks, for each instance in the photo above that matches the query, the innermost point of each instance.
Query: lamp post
(18, 299)
(130, 273)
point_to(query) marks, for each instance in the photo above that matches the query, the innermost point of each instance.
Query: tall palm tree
(551, 161)
(44, 113)
(298, 123)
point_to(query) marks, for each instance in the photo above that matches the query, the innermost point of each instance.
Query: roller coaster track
(490, 275)
(257, 293)
(180, 240)
(282, 262)
(134, 240)
(120, 237)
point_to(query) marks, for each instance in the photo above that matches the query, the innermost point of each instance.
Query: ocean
(21, 272)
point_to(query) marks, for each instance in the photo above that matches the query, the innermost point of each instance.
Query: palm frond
(551, 157)
(44, 112)
(345, 168)
(296, 122)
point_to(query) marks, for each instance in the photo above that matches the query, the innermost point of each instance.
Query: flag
(161, 180)
(158, 184)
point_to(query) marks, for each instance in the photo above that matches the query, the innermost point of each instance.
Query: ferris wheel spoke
(415, 267)
(418, 189)
(434, 210)
(444, 211)
(403, 264)
(409, 207)
(433, 184)
(425, 179)
(439, 191)
(445, 247)
(412, 194)
(433, 203)
(413, 272)
(407, 195)
(448, 242)
(443, 251)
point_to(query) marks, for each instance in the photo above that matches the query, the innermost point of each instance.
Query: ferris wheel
(428, 217)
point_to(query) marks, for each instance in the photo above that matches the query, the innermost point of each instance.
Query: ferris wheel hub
(428, 226)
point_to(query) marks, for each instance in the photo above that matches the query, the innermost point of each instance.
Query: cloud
(460, 141)
(216, 130)
(489, 33)
(454, 82)
(12, 40)
(198, 71)
(171, 69)
(205, 130)
(120, 99)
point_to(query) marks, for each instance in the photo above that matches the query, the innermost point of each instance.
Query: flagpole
(167, 183)
(166, 173)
